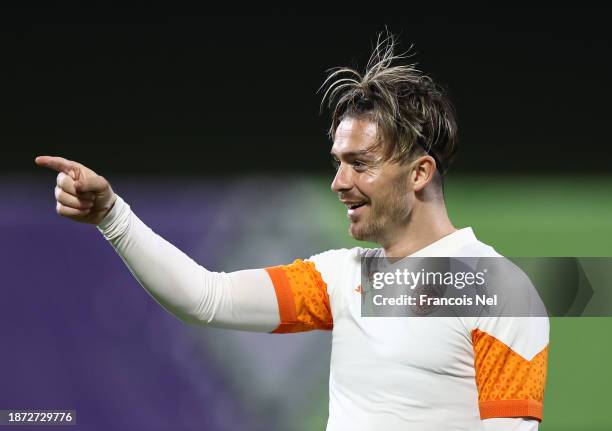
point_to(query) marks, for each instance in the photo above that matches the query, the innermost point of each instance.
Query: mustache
(352, 198)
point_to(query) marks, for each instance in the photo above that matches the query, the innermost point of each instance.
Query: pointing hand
(81, 194)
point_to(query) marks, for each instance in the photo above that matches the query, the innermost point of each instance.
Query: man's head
(394, 134)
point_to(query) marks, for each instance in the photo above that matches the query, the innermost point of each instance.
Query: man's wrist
(110, 208)
(116, 219)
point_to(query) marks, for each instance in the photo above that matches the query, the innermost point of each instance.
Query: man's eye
(335, 163)
(359, 165)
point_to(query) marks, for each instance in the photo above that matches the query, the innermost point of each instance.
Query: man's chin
(358, 232)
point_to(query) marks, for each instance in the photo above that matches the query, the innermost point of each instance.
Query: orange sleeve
(302, 297)
(508, 384)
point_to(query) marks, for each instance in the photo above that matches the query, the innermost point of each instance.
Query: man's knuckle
(65, 200)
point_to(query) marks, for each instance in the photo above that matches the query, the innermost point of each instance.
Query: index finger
(58, 164)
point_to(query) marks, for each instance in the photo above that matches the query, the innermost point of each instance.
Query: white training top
(388, 373)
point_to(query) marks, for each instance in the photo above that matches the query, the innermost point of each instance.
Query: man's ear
(423, 171)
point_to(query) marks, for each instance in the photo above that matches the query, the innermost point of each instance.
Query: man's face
(376, 192)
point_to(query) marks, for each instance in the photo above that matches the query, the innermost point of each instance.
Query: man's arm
(510, 360)
(241, 300)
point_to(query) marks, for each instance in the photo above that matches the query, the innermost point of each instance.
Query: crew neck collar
(447, 244)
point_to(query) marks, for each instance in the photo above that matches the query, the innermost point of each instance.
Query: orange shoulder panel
(302, 297)
(508, 384)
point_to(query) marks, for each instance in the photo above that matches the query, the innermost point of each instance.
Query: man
(394, 134)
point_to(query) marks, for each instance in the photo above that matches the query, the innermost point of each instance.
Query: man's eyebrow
(352, 154)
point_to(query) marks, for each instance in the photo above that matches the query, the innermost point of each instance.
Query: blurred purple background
(78, 332)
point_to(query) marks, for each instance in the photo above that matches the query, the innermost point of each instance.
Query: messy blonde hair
(412, 113)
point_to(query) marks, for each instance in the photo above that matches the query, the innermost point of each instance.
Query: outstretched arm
(241, 300)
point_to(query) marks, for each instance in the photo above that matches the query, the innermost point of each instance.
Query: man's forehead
(355, 136)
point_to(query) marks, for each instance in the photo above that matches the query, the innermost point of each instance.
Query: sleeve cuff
(116, 221)
(510, 408)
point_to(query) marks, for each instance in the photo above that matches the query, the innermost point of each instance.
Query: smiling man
(394, 134)
(380, 192)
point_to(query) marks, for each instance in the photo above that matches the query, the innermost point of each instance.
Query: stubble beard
(383, 217)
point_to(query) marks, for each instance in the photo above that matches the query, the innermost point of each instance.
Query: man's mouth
(355, 208)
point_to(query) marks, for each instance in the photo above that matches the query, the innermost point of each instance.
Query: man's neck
(428, 224)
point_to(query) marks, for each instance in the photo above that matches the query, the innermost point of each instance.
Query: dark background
(140, 91)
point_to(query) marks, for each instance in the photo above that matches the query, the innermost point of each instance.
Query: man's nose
(343, 180)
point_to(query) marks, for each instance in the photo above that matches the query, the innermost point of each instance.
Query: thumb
(93, 184)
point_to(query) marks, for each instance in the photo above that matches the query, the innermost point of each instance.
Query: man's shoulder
(337, 267)
(477, 248)
(338, 263)
(469, 245)
(344, 255)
